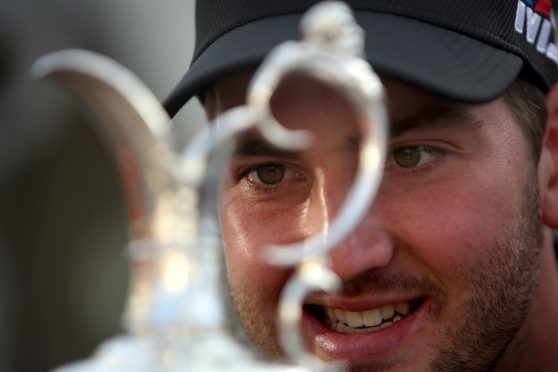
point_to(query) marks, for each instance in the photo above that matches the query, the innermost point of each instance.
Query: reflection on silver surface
(177, 316)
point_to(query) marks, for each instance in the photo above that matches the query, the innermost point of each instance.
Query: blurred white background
(63, 274)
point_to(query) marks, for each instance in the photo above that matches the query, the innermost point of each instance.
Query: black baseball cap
(466, 50)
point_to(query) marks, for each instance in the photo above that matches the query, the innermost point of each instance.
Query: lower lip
(361, 347)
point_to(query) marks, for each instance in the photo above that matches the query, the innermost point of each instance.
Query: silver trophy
(175, 249)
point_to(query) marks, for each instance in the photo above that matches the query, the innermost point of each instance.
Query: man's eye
(270, 174)
(414, 156)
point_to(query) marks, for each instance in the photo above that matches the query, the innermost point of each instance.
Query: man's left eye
(413, 156)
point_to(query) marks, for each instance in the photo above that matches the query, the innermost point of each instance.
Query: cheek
(250, 224)
(247, 229)
(451, 227)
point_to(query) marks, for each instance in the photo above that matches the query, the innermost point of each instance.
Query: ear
(548, 163)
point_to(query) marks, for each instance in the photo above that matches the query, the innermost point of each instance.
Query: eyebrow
(434, 117)
(253, 144)
(437, 117)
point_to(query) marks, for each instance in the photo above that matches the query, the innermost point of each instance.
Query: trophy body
(178, 315)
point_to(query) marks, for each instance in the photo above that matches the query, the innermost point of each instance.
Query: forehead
(404, 102)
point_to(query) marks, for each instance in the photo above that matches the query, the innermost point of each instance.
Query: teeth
(372, 318)
(366, 321)
(354, 319)
(385, 325)
(340, 316)
(387, 311)
(342, 328)
(330, 313)
(402, 308)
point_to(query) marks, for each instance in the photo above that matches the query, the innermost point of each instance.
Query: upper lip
(358, 303)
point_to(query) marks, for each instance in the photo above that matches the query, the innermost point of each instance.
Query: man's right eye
(270, 174)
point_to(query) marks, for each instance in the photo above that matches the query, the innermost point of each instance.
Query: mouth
(368, 321)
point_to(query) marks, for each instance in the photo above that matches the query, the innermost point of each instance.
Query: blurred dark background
(63, 272)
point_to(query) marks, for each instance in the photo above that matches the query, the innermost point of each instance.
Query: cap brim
(441, 61)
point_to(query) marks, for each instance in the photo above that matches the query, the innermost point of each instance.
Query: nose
(367, 248)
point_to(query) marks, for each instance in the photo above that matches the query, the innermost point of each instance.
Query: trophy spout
(132, 121)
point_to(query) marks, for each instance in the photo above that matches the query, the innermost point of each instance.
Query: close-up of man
(453, 266)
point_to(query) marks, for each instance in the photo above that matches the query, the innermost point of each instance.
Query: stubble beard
(262, 333)
(503, 287)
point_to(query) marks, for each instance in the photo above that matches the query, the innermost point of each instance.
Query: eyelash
(261, 185)
(436, 152)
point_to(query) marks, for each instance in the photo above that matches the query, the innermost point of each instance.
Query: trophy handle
(132, 120)
(331, 53)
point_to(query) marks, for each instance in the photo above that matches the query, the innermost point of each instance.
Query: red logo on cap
(543, 7)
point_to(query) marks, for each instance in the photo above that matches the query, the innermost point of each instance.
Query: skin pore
(455, 231)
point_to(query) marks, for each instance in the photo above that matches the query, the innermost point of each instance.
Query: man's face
(440, 273)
